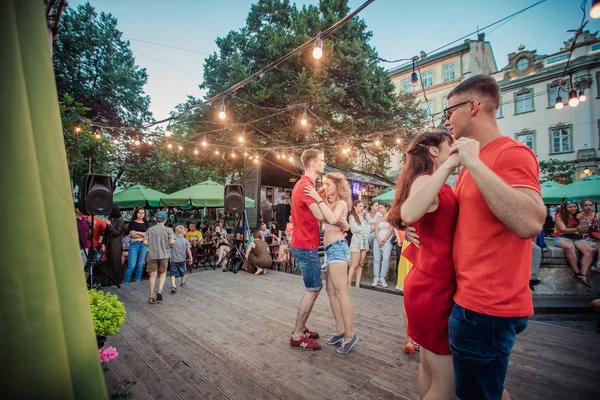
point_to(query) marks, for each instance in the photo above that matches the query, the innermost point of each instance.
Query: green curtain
(48, 341)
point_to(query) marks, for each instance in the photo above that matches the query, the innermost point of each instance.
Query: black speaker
(234, 200)
(95, 194)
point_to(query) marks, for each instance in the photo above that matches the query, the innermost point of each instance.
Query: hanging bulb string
(233, 88)
(425, 95)
(577, 32)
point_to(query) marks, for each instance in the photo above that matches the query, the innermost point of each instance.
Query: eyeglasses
(571, 201)
(448, 111)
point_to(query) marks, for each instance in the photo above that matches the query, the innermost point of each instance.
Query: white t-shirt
(372, 220)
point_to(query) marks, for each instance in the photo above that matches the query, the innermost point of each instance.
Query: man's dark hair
(482, 88)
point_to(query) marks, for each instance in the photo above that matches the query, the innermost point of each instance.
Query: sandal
(410, 346)
(584, 280)
(151, 300)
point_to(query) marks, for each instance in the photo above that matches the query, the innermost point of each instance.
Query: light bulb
(116, 141)
(559, 103)
(222, 114)
(582, 96)
(256, 161)
(232, 155)
(216, 152)
(345, 151)
(204, 144)
(196, 151)
(318, 50)
(77, 130)
(303, 122)
(398, 140)
(278, 155)
(573, 100)
(150, 143)
(137, 142)
(414, 78)
(595, 10)
(98, 136)
(251, 157)
(168, 131)
(180, 147)
(378, 142)
(169, 146)
(245, 154)
(241, 139)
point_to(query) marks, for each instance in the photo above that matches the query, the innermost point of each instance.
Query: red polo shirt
(306, 226)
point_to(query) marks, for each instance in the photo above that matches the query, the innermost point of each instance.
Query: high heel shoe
(409, 347)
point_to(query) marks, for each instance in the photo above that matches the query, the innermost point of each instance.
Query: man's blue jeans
(135, 262)
(481, 345)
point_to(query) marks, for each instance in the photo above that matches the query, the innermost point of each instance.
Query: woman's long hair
(418, 162)
(565, 215)
(135, 213)
(115, 212)
(343, 187)
(354, 214)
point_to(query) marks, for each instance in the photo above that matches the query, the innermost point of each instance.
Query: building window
(522, 64)
(449, 72)
(427, 78)
(406, 86)
(499, 110)
(561, 139)
(427, 109)
(524, 101)
(553, 94)
(445, 102)
(527, 138)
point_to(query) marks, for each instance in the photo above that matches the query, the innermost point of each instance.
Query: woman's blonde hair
(343, 187)
(180, 230)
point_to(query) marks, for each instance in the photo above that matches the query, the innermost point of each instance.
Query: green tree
(349, 98)
(95, 66)
(554, 168)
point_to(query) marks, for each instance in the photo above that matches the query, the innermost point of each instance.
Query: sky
(401, 29)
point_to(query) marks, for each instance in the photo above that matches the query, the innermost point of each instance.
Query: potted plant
(108, 314)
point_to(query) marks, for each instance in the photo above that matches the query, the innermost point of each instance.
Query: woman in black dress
(113, 237)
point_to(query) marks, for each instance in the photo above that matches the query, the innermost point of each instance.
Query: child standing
(179, 251)
(159, 239)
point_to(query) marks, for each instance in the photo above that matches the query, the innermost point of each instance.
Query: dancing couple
(310, 206)
(467, 295)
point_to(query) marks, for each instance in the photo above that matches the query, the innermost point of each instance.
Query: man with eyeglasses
(500, 210)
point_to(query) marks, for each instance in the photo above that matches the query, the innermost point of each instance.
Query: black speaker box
(95, 194)
(234, 199)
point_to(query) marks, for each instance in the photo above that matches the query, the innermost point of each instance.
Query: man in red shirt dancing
(305, 242)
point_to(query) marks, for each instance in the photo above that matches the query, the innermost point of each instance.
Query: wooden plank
(232, 331)
(122, 372)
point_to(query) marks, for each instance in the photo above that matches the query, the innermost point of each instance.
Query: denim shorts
(177, 269)
(480, 346)
(310, 266)
(338, 251)
(559, 238)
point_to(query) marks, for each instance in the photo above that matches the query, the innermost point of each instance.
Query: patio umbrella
(585, 188)
(49, 347)
(205, 194)
(138, 196)
(386, 197)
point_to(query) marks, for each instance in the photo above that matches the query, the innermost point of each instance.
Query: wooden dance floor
(226, 336)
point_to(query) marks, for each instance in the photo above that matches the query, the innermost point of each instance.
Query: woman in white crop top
(382, 247)
(336, 187)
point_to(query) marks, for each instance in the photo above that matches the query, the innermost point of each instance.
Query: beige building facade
(529, 86)
(438, 74)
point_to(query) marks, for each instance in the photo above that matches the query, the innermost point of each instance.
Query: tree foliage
(95, 66)
(553, 168)
(349, 98)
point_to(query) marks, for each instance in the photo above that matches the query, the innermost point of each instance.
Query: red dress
(430, 285)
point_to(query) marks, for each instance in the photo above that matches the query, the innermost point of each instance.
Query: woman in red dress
(424, 201)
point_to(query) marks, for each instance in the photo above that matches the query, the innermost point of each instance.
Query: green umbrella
(205, 194)
(386, 197)
(585, 188)
(138, 196)
(48, 341)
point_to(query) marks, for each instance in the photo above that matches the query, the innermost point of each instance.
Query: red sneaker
(305, 343)
(310, 334)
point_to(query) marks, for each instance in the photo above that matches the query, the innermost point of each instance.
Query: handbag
(595, 235)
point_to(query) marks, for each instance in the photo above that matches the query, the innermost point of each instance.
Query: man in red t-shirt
(305, 242)
(500, 210)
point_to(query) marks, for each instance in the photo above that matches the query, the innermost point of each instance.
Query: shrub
(108, 313)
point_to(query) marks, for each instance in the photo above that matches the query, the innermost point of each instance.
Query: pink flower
(107, 353)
